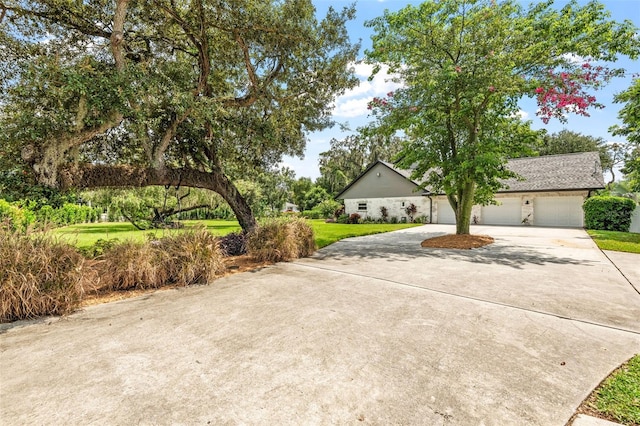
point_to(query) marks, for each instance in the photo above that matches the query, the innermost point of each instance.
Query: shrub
(327, 208)
(354, 218)
(393, 219)
(129, 265)
(384, 213)
(192, 257)
(311, 214)
(278, 240)
(38, 276)
(233, 244)
(411, 211)
(99, 247)
(343, 218)
(15, 218)
(608, 213)
(184, 259)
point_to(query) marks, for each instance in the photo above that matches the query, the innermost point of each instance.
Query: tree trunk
(463, 210)
(98, 176)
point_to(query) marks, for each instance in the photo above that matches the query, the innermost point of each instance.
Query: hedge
(608, 213)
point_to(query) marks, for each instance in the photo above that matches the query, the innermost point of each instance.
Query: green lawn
(616, 241)
(85, 235)
(328, 233)
(619, 396)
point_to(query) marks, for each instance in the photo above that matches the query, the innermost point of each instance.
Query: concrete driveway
(372, 330)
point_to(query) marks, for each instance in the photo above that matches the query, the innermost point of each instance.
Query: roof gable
(562, 172)
(380, 179)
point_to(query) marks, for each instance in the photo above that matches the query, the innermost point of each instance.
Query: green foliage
(465, 65)
(283, 239)
(14, 218)
(38, 276)
(630, 117)
(327, 208)
(567, 142)
(619, 395)
(608, 213)
(314, 197)
(348, 158)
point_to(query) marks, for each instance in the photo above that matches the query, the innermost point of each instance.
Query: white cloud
(522, 114)
(353, 103)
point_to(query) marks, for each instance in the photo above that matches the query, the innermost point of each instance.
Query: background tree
(347, 158)
(465, 64)
(567, 142)
(630, 128)
(193, 93)
(299, 188)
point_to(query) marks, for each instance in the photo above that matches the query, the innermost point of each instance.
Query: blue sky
(351, 108)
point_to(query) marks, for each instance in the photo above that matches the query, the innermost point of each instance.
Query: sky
(351, 108)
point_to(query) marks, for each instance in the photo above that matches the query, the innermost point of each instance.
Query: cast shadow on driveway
(410, 249)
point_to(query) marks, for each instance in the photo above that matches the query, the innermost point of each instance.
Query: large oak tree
(106, 93)
(466, 63)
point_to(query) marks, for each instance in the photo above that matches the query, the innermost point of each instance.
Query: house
(551, 193)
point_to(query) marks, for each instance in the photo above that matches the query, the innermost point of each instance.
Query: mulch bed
(454, 241)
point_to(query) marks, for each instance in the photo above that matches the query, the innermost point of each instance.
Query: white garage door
(445, 212)
(558, 211)
(509, 212)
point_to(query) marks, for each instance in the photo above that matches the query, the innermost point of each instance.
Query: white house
(551, 193)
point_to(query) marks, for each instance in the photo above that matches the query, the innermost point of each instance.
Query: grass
(85, 235)
(619, 396)
(328, 233)
(616, 241)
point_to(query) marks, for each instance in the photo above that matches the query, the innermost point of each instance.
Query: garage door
(445, 212)
(509, 212)
(558, 211)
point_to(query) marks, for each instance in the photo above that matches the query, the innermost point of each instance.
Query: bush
(15, 218)
(278, 240)
(327, 208)
(343, 218)
(183, 259)
(354, 218)
(384, 213)
(38, 276)
(393, 219)
(311, 214)
(608, 213)
(233, 244)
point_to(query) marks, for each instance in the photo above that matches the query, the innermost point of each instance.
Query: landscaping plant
(38, 276)
(282, 239)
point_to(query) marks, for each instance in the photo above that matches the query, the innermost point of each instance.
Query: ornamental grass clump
(184, 259)
(131, 265)
(281, 240)
(192, 257)
(38, 277)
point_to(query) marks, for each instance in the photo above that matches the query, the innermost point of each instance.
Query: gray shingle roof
(562, 172)
(556, 172)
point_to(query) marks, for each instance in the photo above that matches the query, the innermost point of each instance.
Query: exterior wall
(526, 202)
(380, 182)
(395, 206)
(635, 220)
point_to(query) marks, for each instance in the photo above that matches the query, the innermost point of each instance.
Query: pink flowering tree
(465, 64)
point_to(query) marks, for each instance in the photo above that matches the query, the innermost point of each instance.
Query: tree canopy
(464, 65)
(349, 157)
(630, 128)
(192, 93)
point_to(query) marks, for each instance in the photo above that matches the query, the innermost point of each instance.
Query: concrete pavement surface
(371, 330)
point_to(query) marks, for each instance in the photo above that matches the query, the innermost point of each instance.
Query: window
(362, 206)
